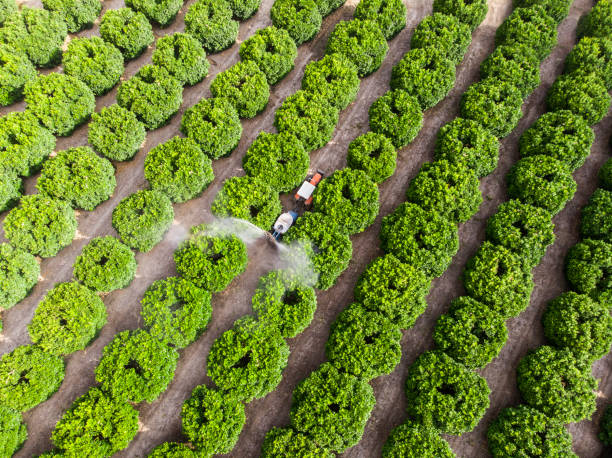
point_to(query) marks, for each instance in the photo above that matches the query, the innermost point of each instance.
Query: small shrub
(514, 64)
(332, 407)
(598, 21)
(495, 104)
(562, 135)
(350, 198)
(29, 376)
(605, 175)
(444, 392)
(244, 9)
(212, 420)
(245, 86)
(374, 154)
(522, 228)
(523, 431)
(531, 27)
(279, 160)
(557, 9)
(300, 18)
(596, 222)
(327, 249)
(160, 12)
(13, 431)
(210, 21)
(11, 189)
(105, 264)
(451, 190)
(7, 8)
(557, 384)
(288, 442)
(309, 117)
(397, 115)
(589, 269)
(273, 50)
(36, 32)
(592, 55)
(67, 319)
(136, 366)
(282, 299)
(214, 125)
(364, 343)
(95, 62)
(412, 440)
(152, 95)
(248, 359)
(464, 141)
(40, 225)
(469, 333)
(500, 278)
(97, 425)
(172, 450)
(326, 7)
(176, 311)
(605, 427)
(470, 12)
(211, 261)
(583, 95)
(362, 42)
(182, 56)
(425, 74)
(142, 219)
(19, 272)
(116, 133)
(447, 34)
(15, 71)
(78, 14)
(60, 102)
(421, 238)
(541, 181)
(128, 30)
(389, 15)
(179, 169)
(334, 78)
(78, 176)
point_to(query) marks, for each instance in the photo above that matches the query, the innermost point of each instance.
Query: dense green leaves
(15, 71)
(334, 78)
(161, 12)
(413, 440)
(78, 14)
(210, 21)
(605, 427)
(244, 9)
(13, 431)
(29, 376)
(470, 12)
(116, 133)
(18, 275)
(179, 169)
(531, 27)
(445, 33)
(301, 18)
(605, 175)
(7, 7)
(40, 225)
(515, 64)
(592, 55)
(332, 407)
(389, 15)
(557, 9)
(374, 154)
(173, 450)
(598, 22)
(11, 189)
(142, 219)
(105, 264)
(245, 86)
(182, 56)
(596, 222)
(397, 115)
(287, 442)
(136, 366)
(589, 269)
(128, 30)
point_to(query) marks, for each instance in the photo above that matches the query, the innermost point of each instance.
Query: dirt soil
(160, 421)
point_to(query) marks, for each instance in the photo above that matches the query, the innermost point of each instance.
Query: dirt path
(160, 421)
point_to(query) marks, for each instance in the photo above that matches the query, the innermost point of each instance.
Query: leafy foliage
(445, 394)
(79, 177)
(413, 440)
(556, 383)
(446, 33)
(288, 442)
(128, 30)
(425, 74)
(176, 311)
(15, 71)
(136, 366)
(116, 133)
(605, 175)
(470, 12)
(596, 222)
(589, 269)
(334, 78)
(211, 261)
(179, 169)
(605, 427)
(78, 14)
(7, 8)
(11, 189)
(531, 27)
(172, 450)
(214, 125)
(142, 219)
(273, 50)
(326, 7)
(282, 299)
(212, 420)
(105, 264)
(210, 21)
(374, 154)
(499, 277)
(161, 12)
(515, 64)
(300, 18)
(468, 142)
(389, 15)
(332, 407)
(67, 319)
(244, 9)
(397, 115)
(245, 86)
(557, 9)
(592, 55)
(18, 275)
(469, 333)
(182, 56)
(60, 102)
(97, 425)
(40, 225)
(598, 22)
(29, 376)
(13, 431)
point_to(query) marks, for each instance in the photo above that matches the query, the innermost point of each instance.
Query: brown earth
(160, 421)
